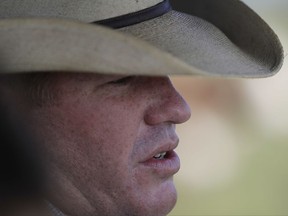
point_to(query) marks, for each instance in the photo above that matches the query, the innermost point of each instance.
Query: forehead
(42, 86)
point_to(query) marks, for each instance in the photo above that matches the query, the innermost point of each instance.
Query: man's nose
(167, 105)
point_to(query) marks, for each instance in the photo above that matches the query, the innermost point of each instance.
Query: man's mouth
(160, 156)
(165, 163)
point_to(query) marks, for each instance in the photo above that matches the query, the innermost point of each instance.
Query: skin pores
(101, 136)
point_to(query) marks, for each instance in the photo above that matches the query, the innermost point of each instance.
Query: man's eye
(122, 81)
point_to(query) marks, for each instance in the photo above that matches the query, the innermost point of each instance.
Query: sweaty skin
(100, 137)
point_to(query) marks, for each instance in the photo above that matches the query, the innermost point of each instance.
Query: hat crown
(82, 10)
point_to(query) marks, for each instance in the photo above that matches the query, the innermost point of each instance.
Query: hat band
(136, 17)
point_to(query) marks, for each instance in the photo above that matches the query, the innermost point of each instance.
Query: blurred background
(234, 149)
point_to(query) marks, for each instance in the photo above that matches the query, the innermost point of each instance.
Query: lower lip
(164, 167)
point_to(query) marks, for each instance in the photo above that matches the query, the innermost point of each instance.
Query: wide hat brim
(208, 38)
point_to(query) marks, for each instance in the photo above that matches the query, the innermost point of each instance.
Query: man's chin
(166, 198)
(170, 197)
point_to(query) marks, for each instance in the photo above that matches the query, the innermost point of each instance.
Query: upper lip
(167, 147)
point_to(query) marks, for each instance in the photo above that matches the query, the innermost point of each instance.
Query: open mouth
(160, 156)
(164, 155)
(164, 163)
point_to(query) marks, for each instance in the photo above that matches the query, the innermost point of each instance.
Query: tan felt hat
(142, 37)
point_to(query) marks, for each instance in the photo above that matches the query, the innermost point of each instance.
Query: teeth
(160, 155)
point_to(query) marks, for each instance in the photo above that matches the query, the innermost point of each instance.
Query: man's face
(110, 142)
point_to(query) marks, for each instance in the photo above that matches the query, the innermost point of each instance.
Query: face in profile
(110, 141)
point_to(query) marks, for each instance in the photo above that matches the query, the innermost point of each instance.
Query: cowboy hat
(146, 37)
